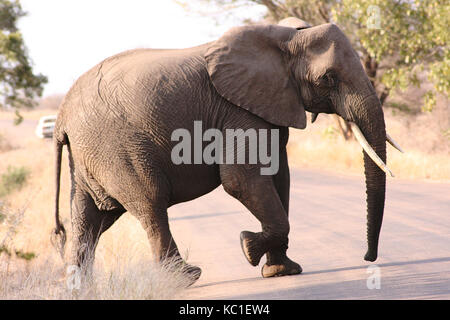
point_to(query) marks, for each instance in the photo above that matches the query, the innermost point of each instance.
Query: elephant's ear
(247, 67)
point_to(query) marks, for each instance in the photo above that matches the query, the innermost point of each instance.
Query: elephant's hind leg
(88, 223)
(149, 206)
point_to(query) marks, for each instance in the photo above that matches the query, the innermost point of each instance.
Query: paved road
(20, 133)
(327, 238)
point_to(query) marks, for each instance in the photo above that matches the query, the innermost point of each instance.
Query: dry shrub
(13, 179)
(5, 144)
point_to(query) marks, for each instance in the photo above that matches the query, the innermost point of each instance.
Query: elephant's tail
(58, 237)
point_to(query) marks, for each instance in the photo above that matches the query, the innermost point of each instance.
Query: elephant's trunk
(370, 119)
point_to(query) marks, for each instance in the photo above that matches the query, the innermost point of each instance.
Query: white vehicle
(46, 126)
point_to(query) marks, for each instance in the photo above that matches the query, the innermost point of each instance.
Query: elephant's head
(278, 72)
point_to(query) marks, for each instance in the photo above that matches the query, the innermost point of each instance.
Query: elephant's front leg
(277, 259)
(259, 194)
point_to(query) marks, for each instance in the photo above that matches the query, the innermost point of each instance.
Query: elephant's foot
(371, 255)
(192, 273)
(252, 247)
(285, 268)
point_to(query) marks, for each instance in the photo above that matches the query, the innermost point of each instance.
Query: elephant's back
(134, 101)
(125, 109)
(135, 85)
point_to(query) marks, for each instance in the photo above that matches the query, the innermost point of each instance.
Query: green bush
(28, 256)
(13, 179)
(9, 224)
(2, 215)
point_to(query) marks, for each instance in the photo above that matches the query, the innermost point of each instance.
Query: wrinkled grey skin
(118, 118)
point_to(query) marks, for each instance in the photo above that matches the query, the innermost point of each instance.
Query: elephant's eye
(329, 80)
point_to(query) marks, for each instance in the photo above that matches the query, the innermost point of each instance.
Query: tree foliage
(396, 39)
(19, 85)
(411, 37)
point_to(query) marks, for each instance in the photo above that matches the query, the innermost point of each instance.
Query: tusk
(393, 143)
(314, 117)
(368, 149)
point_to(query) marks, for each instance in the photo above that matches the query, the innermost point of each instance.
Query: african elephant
(118, 118)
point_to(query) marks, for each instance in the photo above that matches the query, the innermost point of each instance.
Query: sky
(65, 38)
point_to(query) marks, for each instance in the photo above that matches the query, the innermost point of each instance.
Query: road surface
(21, 133)
(327, 237)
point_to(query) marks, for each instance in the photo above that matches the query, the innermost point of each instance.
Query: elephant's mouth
(321, 105)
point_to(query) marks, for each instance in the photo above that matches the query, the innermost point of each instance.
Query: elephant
(118, 119)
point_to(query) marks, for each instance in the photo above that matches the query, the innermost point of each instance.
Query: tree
(409, 37)
(396, 39)
(19, 86)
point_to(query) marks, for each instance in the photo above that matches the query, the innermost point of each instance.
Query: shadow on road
(388, 264)
(227, 282)
(401, 286)
(205, 215)
(406, 286)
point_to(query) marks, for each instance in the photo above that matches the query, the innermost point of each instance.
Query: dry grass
(123, 267)
(425, 138)
(127, 278)
(123, 264)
